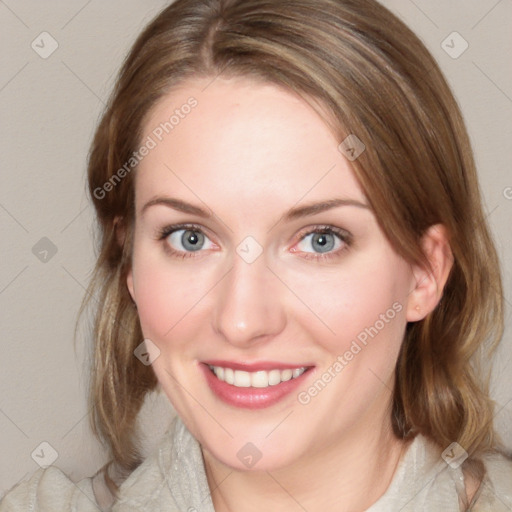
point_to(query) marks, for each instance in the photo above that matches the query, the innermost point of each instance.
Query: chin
(249, 456)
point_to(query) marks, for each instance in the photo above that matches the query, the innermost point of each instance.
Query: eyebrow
(292, 214)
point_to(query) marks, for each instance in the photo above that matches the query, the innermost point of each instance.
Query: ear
(119, 230)
(120, 233)
(428, 283)
(129, 284)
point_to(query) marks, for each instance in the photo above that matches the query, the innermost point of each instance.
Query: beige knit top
(173, 479)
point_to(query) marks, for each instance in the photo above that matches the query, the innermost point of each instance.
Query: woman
(294, 250)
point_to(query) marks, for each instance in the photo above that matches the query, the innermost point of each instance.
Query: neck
(347, 477)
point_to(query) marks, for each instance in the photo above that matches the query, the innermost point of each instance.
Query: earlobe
(428, 283)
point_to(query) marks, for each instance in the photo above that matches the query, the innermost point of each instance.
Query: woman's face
(281, 267)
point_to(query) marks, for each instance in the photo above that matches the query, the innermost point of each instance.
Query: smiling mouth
(258, 379)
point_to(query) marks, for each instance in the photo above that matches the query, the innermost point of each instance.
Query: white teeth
(229, 375)
(242, 379)
(297, 372)
(274, 377)
(259, 379)
(286, 375)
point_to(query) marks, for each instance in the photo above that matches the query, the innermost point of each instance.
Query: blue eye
(324, 242)
(319, 243)
(184, 240)
(188, 239)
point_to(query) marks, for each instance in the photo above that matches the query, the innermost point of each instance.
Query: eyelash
(342, 234)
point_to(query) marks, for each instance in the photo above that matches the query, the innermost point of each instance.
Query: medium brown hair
(375, 79)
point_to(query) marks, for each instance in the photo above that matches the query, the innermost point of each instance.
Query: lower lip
(251, 398)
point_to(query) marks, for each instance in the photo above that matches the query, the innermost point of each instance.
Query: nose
(248, 309)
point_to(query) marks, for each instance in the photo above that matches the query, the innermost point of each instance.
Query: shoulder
(48, 490)
(495, 493)
(172, 478)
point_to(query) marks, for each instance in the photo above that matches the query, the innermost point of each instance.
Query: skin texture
(247, 153)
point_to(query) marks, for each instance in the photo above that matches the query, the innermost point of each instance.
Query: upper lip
(256, 366)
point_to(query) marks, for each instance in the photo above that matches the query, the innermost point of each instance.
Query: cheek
(362, 301)
(168, 295)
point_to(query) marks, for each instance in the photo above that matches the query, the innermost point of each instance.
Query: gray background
(49, 108)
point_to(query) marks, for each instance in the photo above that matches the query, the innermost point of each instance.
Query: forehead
(247, 139)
